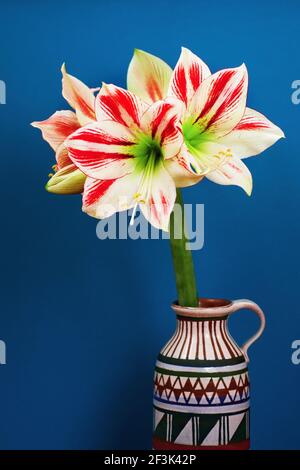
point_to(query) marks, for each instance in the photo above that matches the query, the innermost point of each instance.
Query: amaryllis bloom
(218, 130)
(124, 155)
(67, 179)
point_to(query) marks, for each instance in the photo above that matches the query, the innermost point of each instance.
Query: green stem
(182, 259)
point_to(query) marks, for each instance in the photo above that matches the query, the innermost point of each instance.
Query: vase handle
(248, 304)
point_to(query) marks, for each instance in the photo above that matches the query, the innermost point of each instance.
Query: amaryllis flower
(219, 131)
(67, 179)
(124, 155)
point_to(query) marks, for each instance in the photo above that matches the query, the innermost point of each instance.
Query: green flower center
(147, 152)
(148, 158)
(193, 135)
(207, 154)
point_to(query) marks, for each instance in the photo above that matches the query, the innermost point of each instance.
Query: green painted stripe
(198, 374)
(201, 363)
(188, 318)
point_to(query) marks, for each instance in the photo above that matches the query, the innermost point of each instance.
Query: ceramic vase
(201, 383)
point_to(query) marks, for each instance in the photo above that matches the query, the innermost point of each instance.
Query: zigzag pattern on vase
(201, 340)
(204, 391)
(203, 430)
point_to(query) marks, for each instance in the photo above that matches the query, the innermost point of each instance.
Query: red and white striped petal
(233, 172)
(161, 121)
(62, 157)
(253, 134)
(57, 127)
(159, 205)
(115, 103)
(220, 102)
(103, 198)
(189, 73)
(148, 76)
(102, 150)
(178, 168)
(79, 96)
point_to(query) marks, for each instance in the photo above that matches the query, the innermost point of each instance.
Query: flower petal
(68, 180)
(178, 168)
(102, 198)
(233, 172)
(119, 105)
(57, 127)
(189, 73)
(204, 159)
(219, 104)
(79, 96)
(157, 209)
(102, 150)
(148, 76)
(62, 157)
(253, 134)
(161, 120)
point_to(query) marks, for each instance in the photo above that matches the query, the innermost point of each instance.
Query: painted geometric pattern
(206, 430)
(204, 340)
(201, 390)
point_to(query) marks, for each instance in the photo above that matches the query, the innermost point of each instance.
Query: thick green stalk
(182, 259)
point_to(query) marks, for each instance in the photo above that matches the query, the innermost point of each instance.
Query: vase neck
(197, 338)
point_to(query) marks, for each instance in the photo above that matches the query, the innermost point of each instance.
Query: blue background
(83, 319)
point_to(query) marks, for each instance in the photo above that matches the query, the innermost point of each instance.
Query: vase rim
(207, 307)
